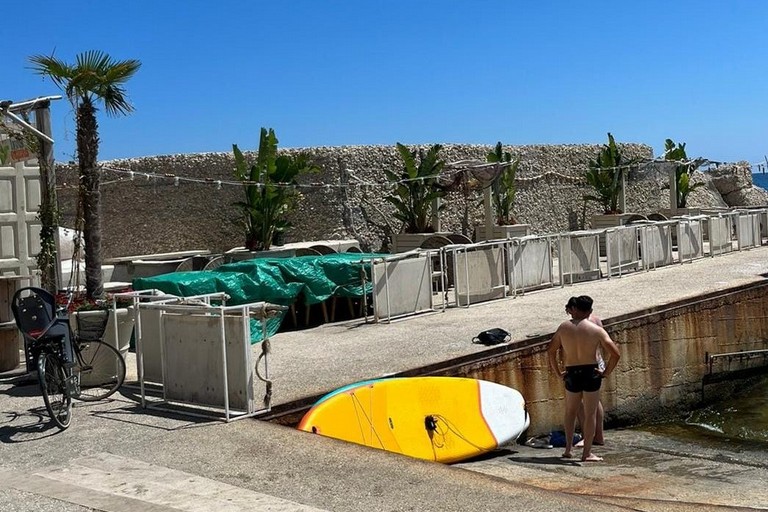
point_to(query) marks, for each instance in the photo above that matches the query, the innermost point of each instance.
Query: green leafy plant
(683, 171)
(503, 186)
(270, 190)
(605, 176)
(416, 187)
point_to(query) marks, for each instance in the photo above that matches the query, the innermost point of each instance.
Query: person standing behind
(578, 341)
(600, 414)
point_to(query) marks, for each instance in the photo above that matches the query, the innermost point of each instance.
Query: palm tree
(94, 77)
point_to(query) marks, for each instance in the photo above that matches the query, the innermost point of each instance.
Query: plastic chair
(187, 265)
(307, 251)
(657, 217)
(458, 238)
(635, 218)
(323, 249)
(215, 263)
(436, 242)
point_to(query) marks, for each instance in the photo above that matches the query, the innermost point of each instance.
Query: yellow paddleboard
(444, 419)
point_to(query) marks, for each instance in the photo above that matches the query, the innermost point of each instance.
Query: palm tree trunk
(87, 155)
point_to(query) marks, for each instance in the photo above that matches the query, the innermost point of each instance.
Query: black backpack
(492, 337)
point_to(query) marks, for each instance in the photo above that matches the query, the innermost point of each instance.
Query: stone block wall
(143, 215)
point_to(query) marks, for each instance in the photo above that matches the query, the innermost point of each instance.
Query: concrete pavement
(119, 457)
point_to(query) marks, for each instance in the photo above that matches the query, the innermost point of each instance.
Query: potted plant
(270, 191)
(502, 195)
(415, 195)
(683, 170)
(606, 176)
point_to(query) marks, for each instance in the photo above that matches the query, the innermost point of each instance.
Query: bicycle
(68, 365)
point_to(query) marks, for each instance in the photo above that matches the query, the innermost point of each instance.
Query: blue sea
(760, 179)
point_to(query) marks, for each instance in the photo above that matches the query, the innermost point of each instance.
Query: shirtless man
(579, 339)
(600, 414)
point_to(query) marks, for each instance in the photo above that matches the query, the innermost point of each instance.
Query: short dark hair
(583, 303)
(571, 303)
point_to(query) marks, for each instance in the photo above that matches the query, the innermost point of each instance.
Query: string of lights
(572, 175)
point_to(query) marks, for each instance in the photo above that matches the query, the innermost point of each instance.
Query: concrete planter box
(667, 212)
(502, 232)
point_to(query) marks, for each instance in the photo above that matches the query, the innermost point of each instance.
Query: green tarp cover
(274, 280)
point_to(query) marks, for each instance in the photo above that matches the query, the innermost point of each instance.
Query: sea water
(760, 179)
(739, 421)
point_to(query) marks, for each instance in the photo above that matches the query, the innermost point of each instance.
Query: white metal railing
(427, 280)
(622, 249)
(579, 256)
(539, 261)
(479, 271)
(402, 283)
(720, 239)
(690, 238)
(656, 244)
(748, 229)
(206, 354)
(531, 263)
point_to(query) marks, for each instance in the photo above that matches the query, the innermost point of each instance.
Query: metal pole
(225, 377)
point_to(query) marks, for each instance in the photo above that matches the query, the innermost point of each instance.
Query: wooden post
(622, 194)
(51, 279)
(672, 172)
(436, 215)
(488, 208)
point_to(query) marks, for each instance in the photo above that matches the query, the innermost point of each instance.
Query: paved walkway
(119, 457)
(317, 360)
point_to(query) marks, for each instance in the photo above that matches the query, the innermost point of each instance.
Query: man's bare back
(580, 340)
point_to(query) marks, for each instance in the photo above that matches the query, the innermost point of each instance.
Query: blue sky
(331, 73)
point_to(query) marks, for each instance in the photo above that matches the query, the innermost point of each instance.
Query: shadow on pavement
(551, 461)
(25, 427)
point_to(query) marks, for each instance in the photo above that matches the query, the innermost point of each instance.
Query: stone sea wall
(144, 215)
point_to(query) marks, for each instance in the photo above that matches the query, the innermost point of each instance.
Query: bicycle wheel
(100, 370)
(52, 378)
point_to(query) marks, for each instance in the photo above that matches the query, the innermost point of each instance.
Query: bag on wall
(492, 337)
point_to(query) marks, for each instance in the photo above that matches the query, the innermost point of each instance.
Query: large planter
(502, 232)
(667, 212)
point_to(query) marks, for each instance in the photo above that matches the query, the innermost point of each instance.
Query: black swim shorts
(585, 377)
